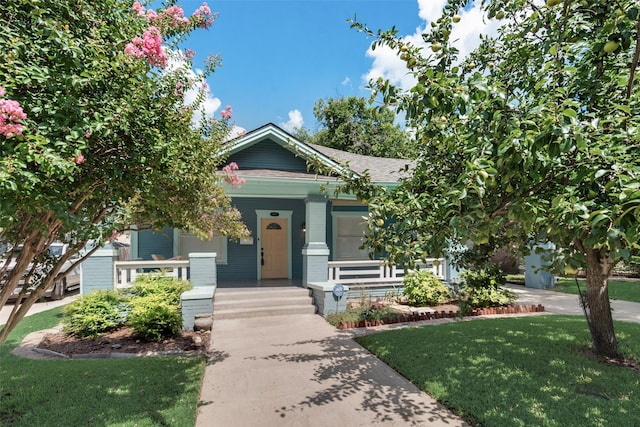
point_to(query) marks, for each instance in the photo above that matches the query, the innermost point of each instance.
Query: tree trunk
(600, 319)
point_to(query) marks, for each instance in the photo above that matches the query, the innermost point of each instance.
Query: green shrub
(153, 317)
(151, 307)
(481, 288)
(96, 313)
(425, 288)
(157, 284)
(358, 314)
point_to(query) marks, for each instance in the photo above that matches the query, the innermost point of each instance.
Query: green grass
(153, 391)
(527, 371)
(618, 289)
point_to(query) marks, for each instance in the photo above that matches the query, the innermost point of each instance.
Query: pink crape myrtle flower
(203, 10)
(231, 177)
(226, 113)
(135, 47)
(149, 46)
(179, 89)
(138, 8)
(11, 114)
(79, 159)
(152, 15)
(175, 17)
(202, 16)
(153, 47)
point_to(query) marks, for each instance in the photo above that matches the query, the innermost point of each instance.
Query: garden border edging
(417, 317)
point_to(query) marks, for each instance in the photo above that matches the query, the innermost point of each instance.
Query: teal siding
(154, 242)
(268, 155)
(242, 261)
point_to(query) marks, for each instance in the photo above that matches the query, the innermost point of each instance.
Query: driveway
(560, 303)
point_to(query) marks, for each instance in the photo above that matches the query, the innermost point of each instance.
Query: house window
(349, 234)
(191, 243)
(274, 226)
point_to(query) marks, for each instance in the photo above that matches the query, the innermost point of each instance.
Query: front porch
(265, 283)
(357, 278)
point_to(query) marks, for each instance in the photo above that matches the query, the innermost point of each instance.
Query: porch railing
(125, 272)
(373, 271)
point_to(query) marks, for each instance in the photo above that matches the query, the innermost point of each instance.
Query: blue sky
(280, 56)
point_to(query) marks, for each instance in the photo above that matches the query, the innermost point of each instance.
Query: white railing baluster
(374, 271)
(125, 272)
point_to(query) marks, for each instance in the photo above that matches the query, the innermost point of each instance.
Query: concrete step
(267, 301)
(227, 294)
(263, 311)
(256, 302)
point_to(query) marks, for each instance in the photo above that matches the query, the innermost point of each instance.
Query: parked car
(70, 281)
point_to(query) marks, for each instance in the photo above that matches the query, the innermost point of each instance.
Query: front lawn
(526, 371)
(618, 289)
(149, 391)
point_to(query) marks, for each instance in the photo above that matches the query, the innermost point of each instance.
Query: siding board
(268, 155)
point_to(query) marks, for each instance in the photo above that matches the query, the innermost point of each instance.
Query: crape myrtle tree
(353, 124)
(102, 127)
(531, 138)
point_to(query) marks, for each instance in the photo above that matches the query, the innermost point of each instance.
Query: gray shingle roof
(380, 169)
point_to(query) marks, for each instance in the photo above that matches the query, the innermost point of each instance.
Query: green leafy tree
(104, 138)
(531, 138)
(351, 124)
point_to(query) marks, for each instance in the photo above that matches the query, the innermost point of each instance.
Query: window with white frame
(191, 243)
(349, 233)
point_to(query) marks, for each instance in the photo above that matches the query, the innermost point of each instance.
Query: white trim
(133, 242)
(316, 251)
(287, 141)
(324, 286)
(282, 214)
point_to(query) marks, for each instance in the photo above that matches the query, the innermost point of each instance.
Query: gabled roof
(341, 163)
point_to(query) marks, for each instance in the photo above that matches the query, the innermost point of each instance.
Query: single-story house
(297, 222)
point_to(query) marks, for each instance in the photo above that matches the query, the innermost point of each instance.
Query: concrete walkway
(559, 303)
(298, 370)
(35, 308)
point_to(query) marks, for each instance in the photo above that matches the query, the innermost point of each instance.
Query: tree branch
(634, 62)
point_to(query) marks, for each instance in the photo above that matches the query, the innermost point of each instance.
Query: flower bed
(416, 316)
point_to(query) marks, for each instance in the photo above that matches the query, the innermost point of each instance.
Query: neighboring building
(297, 221)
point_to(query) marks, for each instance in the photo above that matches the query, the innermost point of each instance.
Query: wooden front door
(274, 254)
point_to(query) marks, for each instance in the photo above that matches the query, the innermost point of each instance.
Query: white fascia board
(288, 142)
(284, 188)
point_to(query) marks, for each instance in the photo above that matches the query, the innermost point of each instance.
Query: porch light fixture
(304, 227)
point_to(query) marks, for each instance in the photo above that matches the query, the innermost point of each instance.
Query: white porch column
(315, 253)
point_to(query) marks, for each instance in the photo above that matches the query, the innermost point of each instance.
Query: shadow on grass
(126, 392)
(517, 371)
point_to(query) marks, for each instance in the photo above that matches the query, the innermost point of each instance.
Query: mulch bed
(123, 340)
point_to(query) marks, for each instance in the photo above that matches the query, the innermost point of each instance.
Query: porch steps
(259, 302)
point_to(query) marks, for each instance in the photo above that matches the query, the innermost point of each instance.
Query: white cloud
(235, 132)
(465, 36)
(346, 81)
(295, 121)
(210, 103)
